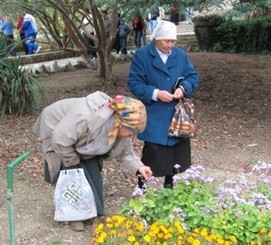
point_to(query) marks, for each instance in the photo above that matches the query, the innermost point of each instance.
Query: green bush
(20, 90)
(253, 36)
(205, 30)
(235, 36)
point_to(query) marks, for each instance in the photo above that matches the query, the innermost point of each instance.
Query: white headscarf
(165, 30)
(31, 19)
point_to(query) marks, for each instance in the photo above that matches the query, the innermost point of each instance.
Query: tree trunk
(103, 44)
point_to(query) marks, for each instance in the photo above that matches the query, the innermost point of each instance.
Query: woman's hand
(178, 94)
(164, 96)
(145, 171)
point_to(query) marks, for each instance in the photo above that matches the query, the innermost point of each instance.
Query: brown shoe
(77, 225)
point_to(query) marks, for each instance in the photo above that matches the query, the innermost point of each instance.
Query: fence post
(10, 168)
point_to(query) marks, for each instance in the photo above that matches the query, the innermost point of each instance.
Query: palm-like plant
(2, 47)
(20, 90)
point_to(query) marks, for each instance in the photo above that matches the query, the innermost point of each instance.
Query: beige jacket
(74, 122)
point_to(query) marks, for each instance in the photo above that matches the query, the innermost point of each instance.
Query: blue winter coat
(148, 72)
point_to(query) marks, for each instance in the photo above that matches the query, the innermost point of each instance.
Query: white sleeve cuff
(154, 95)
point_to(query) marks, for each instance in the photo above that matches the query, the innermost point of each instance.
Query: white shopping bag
(73, 198)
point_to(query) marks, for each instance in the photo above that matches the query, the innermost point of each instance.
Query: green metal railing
(10, 169)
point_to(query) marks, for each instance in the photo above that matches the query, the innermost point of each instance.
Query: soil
(233, 114)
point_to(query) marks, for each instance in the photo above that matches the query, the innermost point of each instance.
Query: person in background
(154, 13)
(88, 32)
(189, 15)
(174, 14)
(160, 75)
(123, 32)
(116, 45)
(138, 27)
(144, 35)
(144, 32)
(30, 29)
(22, 35)
(107, 23)
(6, 28)
(161, 14)
(82, 132)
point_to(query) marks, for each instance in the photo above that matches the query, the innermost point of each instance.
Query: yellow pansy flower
(196, 230)
(233, 239)
(196, 242)
(131, 238)
(152, 234)
(263, 231)
(204, 232)
(220, 241)
(103, 234)
(100, 226)
(147, 238)
(100, 240)
(108, 219)
(190, 239)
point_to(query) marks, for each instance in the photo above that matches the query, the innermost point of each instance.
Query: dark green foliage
(235, 36)
(205, 30)
(20, 90)
(252, 36)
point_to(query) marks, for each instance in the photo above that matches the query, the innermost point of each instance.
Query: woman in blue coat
(160, 75)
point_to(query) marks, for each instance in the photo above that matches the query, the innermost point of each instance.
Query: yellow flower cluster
(118, 229)
(122, 230)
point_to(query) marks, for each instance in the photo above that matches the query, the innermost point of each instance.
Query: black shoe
(168, 186)
(140, 181)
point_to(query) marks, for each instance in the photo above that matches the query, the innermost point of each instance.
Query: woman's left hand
(145, 171)
(178, 94)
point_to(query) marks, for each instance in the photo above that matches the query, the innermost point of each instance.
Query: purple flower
(138, 192)
(260, 199)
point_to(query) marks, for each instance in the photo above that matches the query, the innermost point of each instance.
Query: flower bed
(199, 210)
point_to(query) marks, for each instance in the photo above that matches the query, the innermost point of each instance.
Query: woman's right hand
(145, 171)
(165, 96)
